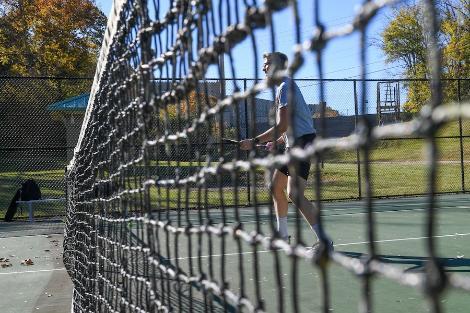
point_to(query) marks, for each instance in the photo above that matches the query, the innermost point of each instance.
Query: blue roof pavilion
(78, 103)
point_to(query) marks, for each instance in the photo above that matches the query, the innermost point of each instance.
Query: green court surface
(401, 242)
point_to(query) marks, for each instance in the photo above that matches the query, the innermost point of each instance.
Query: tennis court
(156, 214)
(206, 122)
(400, 225)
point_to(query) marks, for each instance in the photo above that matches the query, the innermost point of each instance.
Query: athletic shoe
(315, 249)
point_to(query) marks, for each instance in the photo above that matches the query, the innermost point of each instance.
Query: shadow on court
(417, 262)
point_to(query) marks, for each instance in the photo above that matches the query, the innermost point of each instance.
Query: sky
(341, 56)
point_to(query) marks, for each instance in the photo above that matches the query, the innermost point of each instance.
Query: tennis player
(303, 133)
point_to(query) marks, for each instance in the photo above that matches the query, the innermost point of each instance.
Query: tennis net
(154, 201)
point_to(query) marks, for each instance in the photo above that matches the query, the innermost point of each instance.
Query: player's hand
(270, 146)
(246, 144)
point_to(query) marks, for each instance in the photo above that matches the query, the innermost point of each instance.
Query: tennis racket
(230, 141)
(236, 142)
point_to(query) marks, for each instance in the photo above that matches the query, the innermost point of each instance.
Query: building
(71, 112)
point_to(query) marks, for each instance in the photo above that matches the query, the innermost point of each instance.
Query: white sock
(282, 227)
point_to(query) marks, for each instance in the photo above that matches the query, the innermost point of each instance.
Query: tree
(182, 113)
(456, 30)
(404, 41)
(50, 37)
(329, 111)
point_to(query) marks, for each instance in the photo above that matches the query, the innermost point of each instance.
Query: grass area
(453, 129)
(339, 182)
(398, 168)
(411, 149)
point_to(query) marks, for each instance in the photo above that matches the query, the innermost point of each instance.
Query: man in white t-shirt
(303, 134)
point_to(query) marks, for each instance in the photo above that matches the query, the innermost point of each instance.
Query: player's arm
(273, 144)
(278, 130)
(280, 140)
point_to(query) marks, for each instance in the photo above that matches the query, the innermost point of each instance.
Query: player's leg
(278, 187)
(296, 191)
(298, 181)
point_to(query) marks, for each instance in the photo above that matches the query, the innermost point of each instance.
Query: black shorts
(302, 168)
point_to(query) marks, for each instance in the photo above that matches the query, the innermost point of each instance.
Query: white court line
(21, 236)
(392, 211)
(38, 271)
(336, 245)
(401, 239)
(398, 206)
(292, 214)
(352, 208)
(348, 214)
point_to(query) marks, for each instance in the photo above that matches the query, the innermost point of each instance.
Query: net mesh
(156, 217)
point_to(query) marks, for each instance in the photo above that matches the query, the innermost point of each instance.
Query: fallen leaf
(27, 262)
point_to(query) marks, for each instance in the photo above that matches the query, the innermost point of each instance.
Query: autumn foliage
(405, 41)
(193, 102)
(50, 37)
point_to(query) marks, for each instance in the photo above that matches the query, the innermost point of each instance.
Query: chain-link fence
(398, 164)
(38, 131)
(40, 119)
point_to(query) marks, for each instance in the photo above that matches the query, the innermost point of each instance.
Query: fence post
(462, 166)
(358, 156)
(248, 181)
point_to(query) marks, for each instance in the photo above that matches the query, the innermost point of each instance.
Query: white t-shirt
(302, 123)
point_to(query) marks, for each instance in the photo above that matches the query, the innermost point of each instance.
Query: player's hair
(279, 56)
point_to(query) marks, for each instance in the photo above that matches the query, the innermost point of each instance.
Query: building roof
(78, 103)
